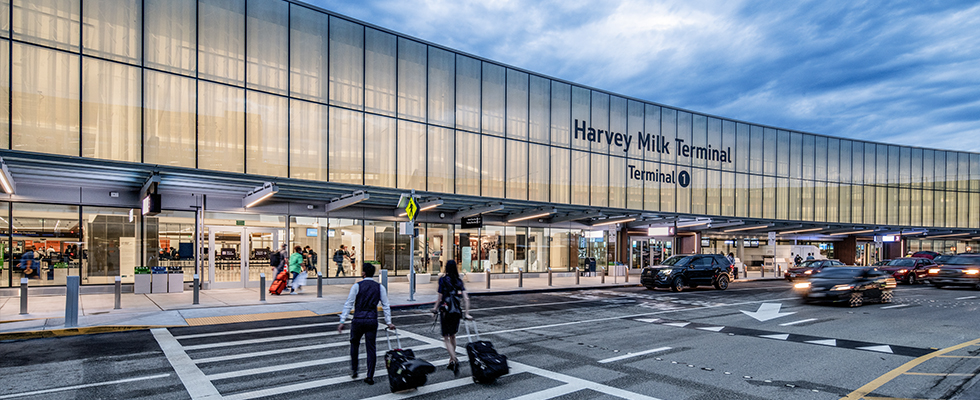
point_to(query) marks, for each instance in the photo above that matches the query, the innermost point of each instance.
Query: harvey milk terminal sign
(653, 143)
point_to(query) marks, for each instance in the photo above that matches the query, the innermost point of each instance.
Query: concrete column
(846, 250)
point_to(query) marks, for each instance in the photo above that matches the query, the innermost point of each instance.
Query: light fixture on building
(688, 224)
(912, 233)
(615, 221)
(428, 205)
(852, 233)
(801, 230)
(747, 228)
(530, 214)
(259, 194)
(6, 180)
(950, 235)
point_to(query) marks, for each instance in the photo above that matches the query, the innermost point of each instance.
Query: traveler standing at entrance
(338, 257)
(28, 265)
(310, 259)
(364, 298)
(295, 267)
(452, 305)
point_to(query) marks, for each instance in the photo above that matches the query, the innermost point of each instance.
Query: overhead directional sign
(411, 209)
(767, 311)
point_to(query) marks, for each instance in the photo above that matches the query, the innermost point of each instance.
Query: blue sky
(905, 72)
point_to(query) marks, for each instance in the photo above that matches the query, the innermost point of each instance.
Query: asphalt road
(753, 341)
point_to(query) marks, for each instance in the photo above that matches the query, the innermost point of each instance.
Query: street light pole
(411, 255)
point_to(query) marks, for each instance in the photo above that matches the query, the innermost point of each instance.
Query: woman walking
(452, 305)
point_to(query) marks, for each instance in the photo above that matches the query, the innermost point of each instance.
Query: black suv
(689, 270)
(959, 270)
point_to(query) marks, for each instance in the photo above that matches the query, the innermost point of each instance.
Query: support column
(846, 250)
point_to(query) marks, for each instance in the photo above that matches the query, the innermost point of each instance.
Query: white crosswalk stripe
(241, 366)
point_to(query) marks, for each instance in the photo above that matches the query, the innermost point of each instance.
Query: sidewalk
(47, 313)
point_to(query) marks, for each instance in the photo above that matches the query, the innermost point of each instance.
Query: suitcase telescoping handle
(466, 324)
(398, 338)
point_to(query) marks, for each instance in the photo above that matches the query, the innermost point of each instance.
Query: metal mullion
(197, 89)
(245, 104)
(81, 79)
(289, 88)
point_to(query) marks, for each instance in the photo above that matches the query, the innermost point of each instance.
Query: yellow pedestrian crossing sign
(411, 209)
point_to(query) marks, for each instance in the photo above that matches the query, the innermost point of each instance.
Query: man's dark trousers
(370, 333)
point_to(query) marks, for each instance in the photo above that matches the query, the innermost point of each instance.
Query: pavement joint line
(303, 364)
(83, 386)
(259, 340)
(890, 375)
(239, 356)
(631, 355)
(230, 319)
(256, 330)
(198, 386)
(798, 322)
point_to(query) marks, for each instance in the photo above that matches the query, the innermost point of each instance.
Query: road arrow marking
(649, 320)
(678, 324)
(712, 328)
(798, 322)
(783, 336)
(883, 348)
(825, 342)
(966, 298)
(895, 306)
(767, 311)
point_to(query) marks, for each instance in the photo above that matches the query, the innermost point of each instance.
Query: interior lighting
(853, 233)
(424, 207)
(693, 223)
(801, 231)
(912, 233)
(949, 235)
(6, 180)
(747, 228)
(527, 217)
(617, 221)
(259, 194)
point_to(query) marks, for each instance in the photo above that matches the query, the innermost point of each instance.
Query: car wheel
(721, 283)
(856, 300)
(911, 280)
(886, 296)
(677, 285)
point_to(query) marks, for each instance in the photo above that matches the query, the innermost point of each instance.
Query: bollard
(384, 278)
(745, 272)
(626, 272)
(549, 276)
(197, 289)
(603, 275)
(71, 301)
(577, 276)
(118, 305)
(262, 286)
(23, 295)
(488, 278)
(520, 277)
(319, 285)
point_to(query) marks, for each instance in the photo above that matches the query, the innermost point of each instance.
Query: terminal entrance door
(645, 251)
(237, 255)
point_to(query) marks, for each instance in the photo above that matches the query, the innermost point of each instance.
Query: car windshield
(902, 263)
(839, 273)
(678, 261)
(964, 260)
(809, 263)
(941, 259)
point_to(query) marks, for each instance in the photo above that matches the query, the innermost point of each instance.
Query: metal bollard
(71, 301)
(319, 285)
(488, 278)
(384, 278)
(197, 289)
(626, 272)
(262, 286)
(549, 276)
(603, 275)
(23, 295)
(577, 275)
(520, 277)
(745, 272)
(118, 305)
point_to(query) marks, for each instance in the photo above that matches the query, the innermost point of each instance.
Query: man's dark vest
(366, 303)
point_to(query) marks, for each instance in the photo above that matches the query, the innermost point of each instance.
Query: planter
(421, 279)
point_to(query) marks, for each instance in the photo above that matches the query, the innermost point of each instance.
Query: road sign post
(411, 209)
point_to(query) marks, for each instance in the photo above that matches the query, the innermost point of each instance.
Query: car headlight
(972, 271)
(902, 271)
(802, 285)
(808, 272)
(842, 287)
(666, 271)
(933, 270)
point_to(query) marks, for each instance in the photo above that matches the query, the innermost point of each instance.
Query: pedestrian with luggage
(452, 305)
(295, 268)
(363, 298)
(278, 259)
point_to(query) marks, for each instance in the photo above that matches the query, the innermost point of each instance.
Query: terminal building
(203, 134)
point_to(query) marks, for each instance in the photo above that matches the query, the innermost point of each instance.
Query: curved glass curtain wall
(271, 87)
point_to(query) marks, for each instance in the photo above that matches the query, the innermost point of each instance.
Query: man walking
(364, 298)
(338, 257)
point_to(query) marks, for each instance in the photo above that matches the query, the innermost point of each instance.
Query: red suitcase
(280, 283)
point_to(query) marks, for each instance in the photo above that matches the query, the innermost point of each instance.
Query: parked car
(689, 270)
(926, 254)
(851, 285)
(958, 270)
(810, 267)
(881, 263)
(908, 270)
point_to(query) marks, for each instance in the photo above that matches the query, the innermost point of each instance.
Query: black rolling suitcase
(404, 370)
(486, 364)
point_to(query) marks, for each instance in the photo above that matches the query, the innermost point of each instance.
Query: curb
(88, 330)
(552, 289)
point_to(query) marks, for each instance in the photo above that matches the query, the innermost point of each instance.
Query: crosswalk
(309, 359)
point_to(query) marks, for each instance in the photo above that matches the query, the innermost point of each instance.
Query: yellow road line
(891, 398)
(229, 319)
(881, 380)
(936, 374)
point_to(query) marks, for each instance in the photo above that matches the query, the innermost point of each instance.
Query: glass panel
(379, 245)
(782, 198)
(819, 201)
(699, 141)
(939, 208)
(45, 100)
(168, 241)
(171, 35)
(517, 92)
(805, 199)
(668, 191)
(634, 127)
(974, 216)
(560, 175)
(651, 188)
(756, 161)
(411, 79)
(684, 156)
(881, 166)
(539, 165)
(810, 169)
(379, 76)
(538, 250)
(227, 255)
(902, 207)
(975, 173)
(963, 172)
(871, 162)
(468, 163)
(916, 168)
(581, 110)
(4, 97)
(561, 108)
(441, 87)
(715, 146)
(617, 182)
(833, 202)
(308, 55)
(494, 92)
(844, 211)
(927, 208)
(222, 41)
(600, 121)
(770, 154)
(438, 247)
(796, 155)
(857, 163)
(634, 184)
(266, 135)
(112, 245)
(833, 160)
(411, 169)
(268, 45)
(871, 212)
(440, 159)
(168, 120)
(493, 162)
(113, 29)
(48, 239)
(308, 140)
(697, 189)
(347, 146)
(916, 208)
(651, 126)
(928, 169)
(939, 171)
(347, 63)
(51, 23)
(539, 109)
(467, 93)
(220, 128)
(580, 177)
(784, 153)
(516, 170)
(857, 204)
(5, 32)
(743, 147)
(600, 180)
(111, 100)
(379, 151)
(741, 182)
(768, 197)
(952, 161)
(728, 198)
(713, 193)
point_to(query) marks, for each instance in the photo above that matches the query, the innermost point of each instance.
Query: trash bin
(175, 278)
(141, 280)
(590, 266)
(159, 280)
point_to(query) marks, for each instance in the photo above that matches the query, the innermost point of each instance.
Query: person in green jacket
(295, 267)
